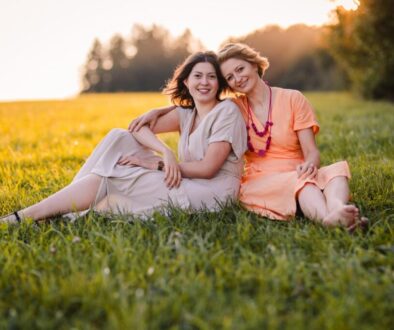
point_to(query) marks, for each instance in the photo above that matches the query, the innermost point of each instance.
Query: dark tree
(150, 66)
(118, 63)
(146, 60)
(142, 63)
(93, 78)
(315, 71)
(362, 41)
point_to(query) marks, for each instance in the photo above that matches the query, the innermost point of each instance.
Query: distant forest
(298, 56)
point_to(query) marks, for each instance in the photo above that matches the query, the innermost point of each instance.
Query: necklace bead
(267, 128)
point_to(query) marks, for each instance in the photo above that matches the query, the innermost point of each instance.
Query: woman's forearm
(172, 176)
(148, 139)
(208, 167)
(313, 157)
(197, 170)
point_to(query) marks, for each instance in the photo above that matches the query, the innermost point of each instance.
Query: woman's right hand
(149, 117)
(306, 170)
(173, 175)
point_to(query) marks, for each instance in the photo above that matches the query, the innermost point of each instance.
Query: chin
(243, 89)
(207, 98)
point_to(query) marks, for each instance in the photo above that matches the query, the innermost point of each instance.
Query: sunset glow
(348, 4)
(45, 43)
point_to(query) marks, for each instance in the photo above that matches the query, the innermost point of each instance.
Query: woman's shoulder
(184, 113)
(229, 104)
(287, 92)
(240, 100)
(228, 107)
(289, 97)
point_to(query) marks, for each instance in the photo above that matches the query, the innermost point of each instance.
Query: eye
(240, 69)
(212, 76)
(229, 78)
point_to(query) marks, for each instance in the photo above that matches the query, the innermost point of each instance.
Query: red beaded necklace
(267, 128)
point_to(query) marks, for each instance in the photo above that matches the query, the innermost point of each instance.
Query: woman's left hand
(306, 170)
(130, 160)
(172, 171)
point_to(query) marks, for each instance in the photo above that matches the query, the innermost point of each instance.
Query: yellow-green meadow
(225, 270)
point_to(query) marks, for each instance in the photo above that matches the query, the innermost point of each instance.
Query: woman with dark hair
(282, 162)
(124, 175)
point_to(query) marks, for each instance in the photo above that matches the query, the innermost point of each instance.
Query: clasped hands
(306, 170)
(172, 171)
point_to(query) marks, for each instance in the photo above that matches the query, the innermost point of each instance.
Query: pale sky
(44, 43)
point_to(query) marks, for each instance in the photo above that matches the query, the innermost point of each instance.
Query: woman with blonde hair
(282, 162)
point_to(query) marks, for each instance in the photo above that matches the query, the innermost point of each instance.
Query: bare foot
(345, 216)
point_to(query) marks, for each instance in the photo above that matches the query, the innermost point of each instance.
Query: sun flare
(348, 4)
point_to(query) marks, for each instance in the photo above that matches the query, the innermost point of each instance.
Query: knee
(118, 132)
(122, 135)
(309, 187)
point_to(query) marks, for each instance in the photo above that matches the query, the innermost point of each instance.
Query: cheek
(231, 83)
(215, 85)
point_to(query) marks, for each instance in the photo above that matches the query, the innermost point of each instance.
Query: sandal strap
(18, 218)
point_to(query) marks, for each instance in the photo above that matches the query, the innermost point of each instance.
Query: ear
(185, 82)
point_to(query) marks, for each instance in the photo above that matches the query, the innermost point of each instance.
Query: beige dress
(137, 190)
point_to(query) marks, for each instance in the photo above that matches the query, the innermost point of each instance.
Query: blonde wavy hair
(243, 52)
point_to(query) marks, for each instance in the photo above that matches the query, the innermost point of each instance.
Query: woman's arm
(150, 118)
(215, 156)
(147, 138)
(311, 153)
(166, 123)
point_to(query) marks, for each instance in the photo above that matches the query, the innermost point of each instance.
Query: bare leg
(337, 193)
(312, 202)
(77, 196)
(337, 196)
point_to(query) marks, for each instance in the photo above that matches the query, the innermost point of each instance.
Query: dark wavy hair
(176, 88)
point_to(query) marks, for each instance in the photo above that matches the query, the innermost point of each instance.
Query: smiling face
(240, 75)
(203, 83)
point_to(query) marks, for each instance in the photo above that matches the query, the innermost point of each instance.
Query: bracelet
(160, 165)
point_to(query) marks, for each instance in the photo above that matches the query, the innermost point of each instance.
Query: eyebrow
(236, 68)
(211, 72)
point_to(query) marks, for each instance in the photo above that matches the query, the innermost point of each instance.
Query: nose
(237, 78)
(204, 80)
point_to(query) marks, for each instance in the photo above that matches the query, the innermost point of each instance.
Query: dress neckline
(253, 115)
(189, 132)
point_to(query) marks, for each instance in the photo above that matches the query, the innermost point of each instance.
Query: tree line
(356, 51)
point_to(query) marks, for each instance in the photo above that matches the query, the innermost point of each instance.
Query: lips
(243, 84)
(203, 90)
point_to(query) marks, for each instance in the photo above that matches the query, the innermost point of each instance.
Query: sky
(44, 43)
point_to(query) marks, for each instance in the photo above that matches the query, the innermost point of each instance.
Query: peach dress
(270, 185)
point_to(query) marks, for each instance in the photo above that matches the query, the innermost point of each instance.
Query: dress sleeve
(229, 126)
(182, 113)
(304, 115)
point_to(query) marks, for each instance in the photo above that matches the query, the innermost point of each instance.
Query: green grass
(226, 270)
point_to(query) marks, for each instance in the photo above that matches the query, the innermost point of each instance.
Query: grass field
(226, 270)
